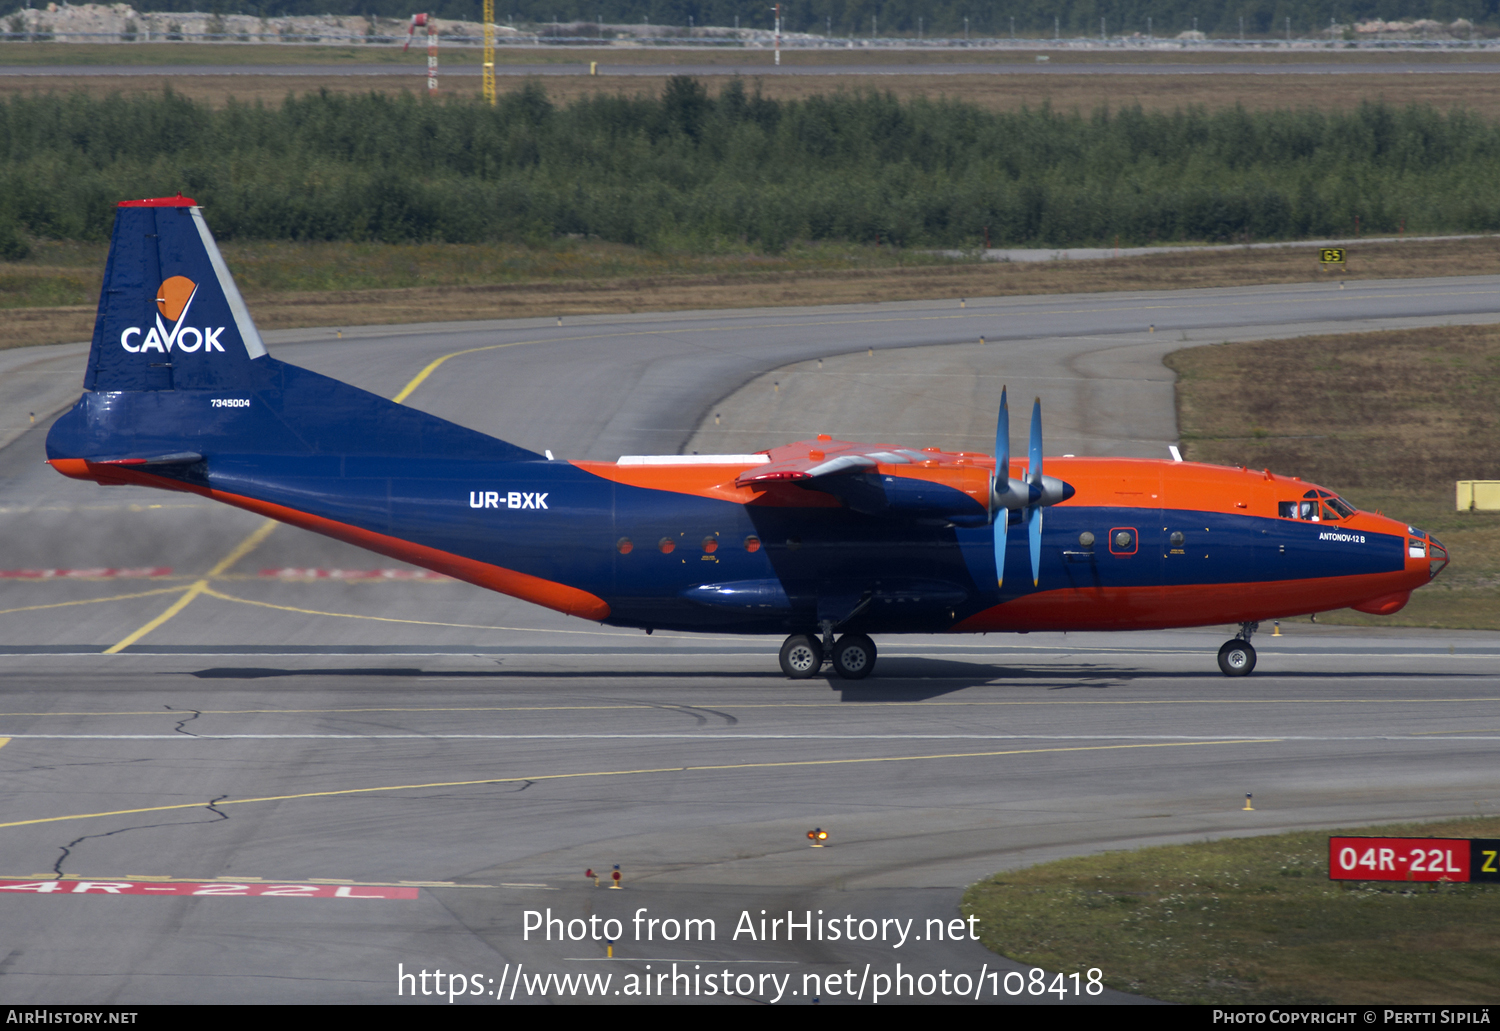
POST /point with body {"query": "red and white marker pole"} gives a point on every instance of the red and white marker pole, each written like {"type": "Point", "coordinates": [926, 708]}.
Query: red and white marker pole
{"type": "Point", "coordinates": [432, 42]}
{"type": "Point", "coordinates": [425, 21]}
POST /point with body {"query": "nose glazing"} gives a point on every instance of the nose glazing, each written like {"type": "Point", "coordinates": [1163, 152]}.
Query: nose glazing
{"type": "Point", "coordinates": [1437, 556]}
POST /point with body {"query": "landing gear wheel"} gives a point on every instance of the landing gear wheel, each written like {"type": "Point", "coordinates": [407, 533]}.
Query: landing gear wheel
{"type": "Point", "coordinates": [801, 656]}
{"type": "Point", "coordinates": [854, 656]}
{"type": "Point", "coordinates": [1237, 658]}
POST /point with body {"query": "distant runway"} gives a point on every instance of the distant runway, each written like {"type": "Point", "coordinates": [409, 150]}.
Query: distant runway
{"type": "Point", "coordinates": [761, 65]}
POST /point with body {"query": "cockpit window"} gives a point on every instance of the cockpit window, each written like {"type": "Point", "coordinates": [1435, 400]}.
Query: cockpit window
{"type": "Point", "coordinates": [1315, 506]}
{"type": "Point", "coordinates": [1342, 507]}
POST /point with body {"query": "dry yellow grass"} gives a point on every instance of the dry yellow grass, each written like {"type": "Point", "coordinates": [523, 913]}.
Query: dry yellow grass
{"type": "Point", "coordinates": [231, 54]}
{"type": "Point", "coordinates": [1085, 93]}
{"type": "Point", "coordinates": [755, 286]}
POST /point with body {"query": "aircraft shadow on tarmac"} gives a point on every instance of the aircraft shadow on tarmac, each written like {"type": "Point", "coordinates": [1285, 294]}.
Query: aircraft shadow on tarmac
{"type": "Point", "coordinates": [902, 678]}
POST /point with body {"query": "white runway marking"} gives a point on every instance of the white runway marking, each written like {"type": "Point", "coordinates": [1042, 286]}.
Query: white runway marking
{"type": "Point", "coordinates": [1427, 736]}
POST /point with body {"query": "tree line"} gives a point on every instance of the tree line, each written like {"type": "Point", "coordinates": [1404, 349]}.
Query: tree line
{"type": "Point", "coordinates": [903, 17]}
{"type": "Point", "coordinates": [691, 170]}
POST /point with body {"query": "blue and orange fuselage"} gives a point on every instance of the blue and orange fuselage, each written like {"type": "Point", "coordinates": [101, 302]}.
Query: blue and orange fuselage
{"type": "Point", "coordinates": [684, 547]}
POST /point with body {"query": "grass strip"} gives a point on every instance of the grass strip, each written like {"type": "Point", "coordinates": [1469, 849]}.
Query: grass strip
{"type": "Point", "coordinates": [51, 297]}
{"type": "Point", "coordinates": [1081, 91]}
{"type": "Point", "coordinates": [52, 53]}
{"type": "Point", "coordinates": [1252, 920]}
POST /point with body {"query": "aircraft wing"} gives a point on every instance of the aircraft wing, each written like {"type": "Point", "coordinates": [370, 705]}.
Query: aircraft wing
{"type": "Point", "coordinates": [815, 459]}
{"type": "Point", "coordinates": [883, 480]}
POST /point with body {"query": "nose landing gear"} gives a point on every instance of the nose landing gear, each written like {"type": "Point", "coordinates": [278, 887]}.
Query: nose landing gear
{"type": "Point", "coordinates": [1237, 657]}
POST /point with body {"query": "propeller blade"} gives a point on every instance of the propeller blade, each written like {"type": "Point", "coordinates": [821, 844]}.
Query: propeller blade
{"type": "Point", "coordinates": [1034, 454]}
{"type": "Point", "coordinates": [1002, 441]}
{"type": "Point", "coordinates": [1001, 525]}
{"type": "Point", "coordinates": [1000, 517]}
{"type": "Point", "coordinates": [1037, 487]}
{"type": "Point", "coordinates": [1034, 529]}
{"type": "Point", "coordinates": [1030, 496]}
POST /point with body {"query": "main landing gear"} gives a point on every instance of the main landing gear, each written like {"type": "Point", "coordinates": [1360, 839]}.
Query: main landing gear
{"type": "Point", "coordinates": [1237, 657]}
{"type": "Point", "coordinates": [852, 656]}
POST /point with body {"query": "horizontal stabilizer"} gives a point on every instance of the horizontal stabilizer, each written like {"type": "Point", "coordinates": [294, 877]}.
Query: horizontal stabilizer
{"type": "Point", "coordinates": [175, 458]}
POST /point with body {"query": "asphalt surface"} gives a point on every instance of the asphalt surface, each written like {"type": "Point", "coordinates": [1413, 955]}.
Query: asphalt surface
{"type": "Point", "coordinates": [302, 727]}
{"type": "Point", "coordinates": [760, 65]}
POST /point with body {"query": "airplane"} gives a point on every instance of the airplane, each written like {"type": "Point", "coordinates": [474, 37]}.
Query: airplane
{"type": "Point", "coordinates": [827, 541]}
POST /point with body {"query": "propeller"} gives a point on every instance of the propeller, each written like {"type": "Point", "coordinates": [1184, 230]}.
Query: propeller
{"type": "Point", "coordinates": [1030, 495]}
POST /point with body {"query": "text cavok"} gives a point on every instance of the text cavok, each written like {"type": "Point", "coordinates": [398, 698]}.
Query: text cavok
{"type": "Point", "coordinates": [158, 339]}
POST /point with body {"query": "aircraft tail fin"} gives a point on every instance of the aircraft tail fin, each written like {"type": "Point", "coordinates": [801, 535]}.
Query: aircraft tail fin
{"type": "Point", "coordinates": [170, 316]}
{"type": "Point", "coordinates": [178, 368]}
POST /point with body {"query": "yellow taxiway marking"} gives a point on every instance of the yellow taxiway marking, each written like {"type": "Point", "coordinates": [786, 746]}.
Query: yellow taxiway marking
{"type": "Point", "coordinates": [94, 601]}
{"type": "Point", "coordinates": [1142, 305]}
{"type": "Point", "coordinates": [736, 706]}
{"type": "Point", "coordinates": [4, 741]}
{"type": "Point", "coordinates": [431, 366]}
{"type": "Point", "coordinates": [536, 778]}
{"type": "Point", "coordinates": [241, 549]}
{"type": "Point", "coordinates": [390, 619]}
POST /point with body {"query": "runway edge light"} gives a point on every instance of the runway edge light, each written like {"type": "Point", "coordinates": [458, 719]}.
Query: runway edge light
{"type": "Point", "coordinates": [817, 837]}
{"type": "Point", "coordinates": [1248, 807]}
{"type": "Point", "coordinates": [590, 873]}
{"type": "Point", "coordinates": [616, 876]}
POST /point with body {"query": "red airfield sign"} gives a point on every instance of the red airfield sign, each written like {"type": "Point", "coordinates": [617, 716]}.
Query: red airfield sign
{"type": "Point", "coordinates": [1414, 859]}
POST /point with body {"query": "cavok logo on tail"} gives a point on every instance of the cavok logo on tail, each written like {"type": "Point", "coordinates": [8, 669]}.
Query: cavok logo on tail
{"type": "Point", "coordinates": [173, 299]}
